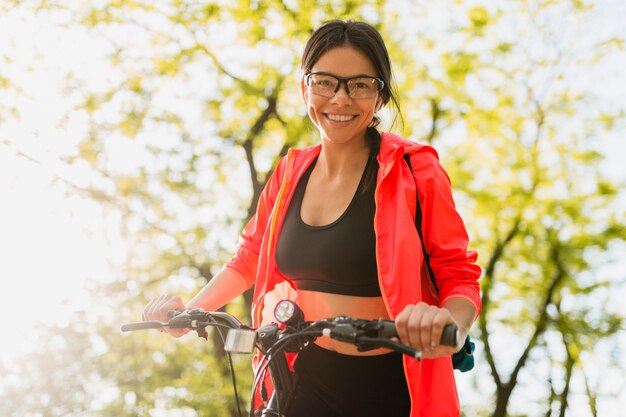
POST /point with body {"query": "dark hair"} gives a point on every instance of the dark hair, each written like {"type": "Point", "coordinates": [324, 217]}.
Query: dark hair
{"type": "Point", "coordinates": [366, 39]}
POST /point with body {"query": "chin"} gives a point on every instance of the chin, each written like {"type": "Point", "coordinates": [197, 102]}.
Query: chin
{"type": "Point", "coordinates": [343, 138]}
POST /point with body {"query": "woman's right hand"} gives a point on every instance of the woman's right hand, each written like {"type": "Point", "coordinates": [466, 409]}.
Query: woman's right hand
{"type": "Point", "coordinates": [158, 308]}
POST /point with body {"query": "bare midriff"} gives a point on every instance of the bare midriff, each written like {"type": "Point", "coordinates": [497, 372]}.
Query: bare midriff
{"type": "Point", "coordinates": [318, 305]}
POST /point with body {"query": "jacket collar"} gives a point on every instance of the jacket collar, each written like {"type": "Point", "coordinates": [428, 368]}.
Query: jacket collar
{"type": "Point", "coordinates": [392, 148]}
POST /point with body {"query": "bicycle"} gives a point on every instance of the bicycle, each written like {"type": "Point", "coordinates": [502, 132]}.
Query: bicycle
{"type": "Point", "coordinates": [291, 334]}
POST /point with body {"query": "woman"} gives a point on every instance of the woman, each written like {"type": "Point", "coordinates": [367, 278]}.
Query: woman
{"type": "Point", "coordinates": [334, 230]}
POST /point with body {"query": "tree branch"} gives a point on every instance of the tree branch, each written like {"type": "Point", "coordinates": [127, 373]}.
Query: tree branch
{"type": "Point", "coordinates": [487, 285]}
{"type": "Point", "coordinates": [243, 83]}
{"type": "Point", "coordinates": [104, 198]}
{"type": "Point", "coordinates": [540, 326]}
{"type": "Point", "coordinates": [542, 319]}
{"type": "Point", "coordinates": [489, 277]}
{"type": "Point", "coordinates": [435, 112]}
{"type": "Point", "coordinates": [569, 367]}
{"type": "Point", "coordinates": [257, 128]}
{"type": "Point", "coordinates": [592, 397]}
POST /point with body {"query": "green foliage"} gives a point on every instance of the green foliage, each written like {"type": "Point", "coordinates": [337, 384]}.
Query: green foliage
{"type": "Point", "coordinates": [205, 97]}
{"type": "Point", "coordinates": [479, 17]}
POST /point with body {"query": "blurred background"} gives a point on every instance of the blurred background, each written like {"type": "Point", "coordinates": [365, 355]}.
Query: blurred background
{"type": "Point", "coordinates": [136, 136]}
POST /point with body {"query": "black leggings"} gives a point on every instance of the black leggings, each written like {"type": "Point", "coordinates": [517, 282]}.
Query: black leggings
{"type": "Point", "coordinates": [332, 384]}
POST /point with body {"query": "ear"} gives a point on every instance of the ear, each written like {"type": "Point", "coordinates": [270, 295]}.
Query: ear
{"type": "Point", "coordinates": [379, 103]}
{"type": "Point", "coordinates": [303, 92]}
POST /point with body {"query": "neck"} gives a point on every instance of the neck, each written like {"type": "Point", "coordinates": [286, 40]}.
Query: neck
{"type": "Point", "coordinates": [337, 159]}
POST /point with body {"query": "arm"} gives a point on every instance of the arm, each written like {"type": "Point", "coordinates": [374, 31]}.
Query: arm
{"type": "Point", "coordinates": [222, 289]}
{"type": "Point", "coordinates": [463, 312]}
{"type": "Point", "coordinates": [238, 274]}
{"type": "Point", "coordinates": [225, 286]}
{"type": "Point", "coordinates": [454, 268]}
{"type": "Point", "coordinates": [445, 236]}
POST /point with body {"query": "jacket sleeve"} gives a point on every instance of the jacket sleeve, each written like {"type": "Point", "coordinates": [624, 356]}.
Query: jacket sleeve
{"type": "Point", "coordinates": [244, 262]}
{"type": "Point", "coordinates": [445, 236]}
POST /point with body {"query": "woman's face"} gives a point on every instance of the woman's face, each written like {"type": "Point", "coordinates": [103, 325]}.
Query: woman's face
{"type": "Point", "coordinates": [341, 119]}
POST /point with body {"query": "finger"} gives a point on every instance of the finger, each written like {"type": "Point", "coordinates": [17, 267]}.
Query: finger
{"type": "Point", "coordinates": [401, 321]}
{"type": "Point", "coordinates": [442, 318]}
{"type": "Point", "coordinates": [440, 351]}
{"type": "Point", "coordinates": [414, 326]}
{"type": "Point", "coordinates": [147, 311]}
{"type": "Point", "coordinates": [155, 309]}
{"type": "Point", "coordinates": [426, 324]}
{"type": "Point", "coordinates": [178, 332]}
{"type": "Point", "coordinates": [405, 324]}
{"type": "Point", "coordinates": [144, 313]}
{"type": "Point", "coordinates": [168, 303]}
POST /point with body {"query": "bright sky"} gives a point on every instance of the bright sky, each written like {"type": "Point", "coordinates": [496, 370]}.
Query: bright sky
{"type": "Point", "coordinates": [52, 244]}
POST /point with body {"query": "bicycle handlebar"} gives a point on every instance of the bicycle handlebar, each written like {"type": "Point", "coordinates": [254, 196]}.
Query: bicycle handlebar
{"type": "Point", "coordinates": [365, 334]}
{"type": "Point", "coordinates": [386, 329]}
{"type": "Point", "coordinates": [292, 336]}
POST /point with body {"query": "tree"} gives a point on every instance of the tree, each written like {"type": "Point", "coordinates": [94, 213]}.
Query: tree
{"type": "Point", "coordinates": [205, 99]}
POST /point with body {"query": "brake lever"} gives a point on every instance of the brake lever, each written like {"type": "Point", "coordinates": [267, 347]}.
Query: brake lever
{"type": "Point", "coordinates": [189, 319]}
{"type": "Point", "coordinates": [376, 342]}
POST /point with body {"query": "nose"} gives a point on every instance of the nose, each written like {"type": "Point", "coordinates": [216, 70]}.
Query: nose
{"type": "Point", "coordinates": [341, 94]}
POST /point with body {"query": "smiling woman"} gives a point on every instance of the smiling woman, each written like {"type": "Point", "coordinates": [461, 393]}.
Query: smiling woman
{"type": "Point", "coordinates": [342, 114]}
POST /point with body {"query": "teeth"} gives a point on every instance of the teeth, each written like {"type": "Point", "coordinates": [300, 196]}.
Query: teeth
{"type": "Point", "coordinates": [340, 117]}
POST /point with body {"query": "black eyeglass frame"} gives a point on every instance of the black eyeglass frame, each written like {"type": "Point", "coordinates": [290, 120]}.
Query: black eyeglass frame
{"type": "Point", "coordinates": [344, 80]}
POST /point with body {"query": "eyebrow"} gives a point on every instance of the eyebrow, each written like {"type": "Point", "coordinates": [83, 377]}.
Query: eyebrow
{"type": "Point", "coordinates": [343, 78]}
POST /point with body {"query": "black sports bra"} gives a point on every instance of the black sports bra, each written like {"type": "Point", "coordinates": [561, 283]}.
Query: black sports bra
{"type": "Point", "coordinates": [338, 258]}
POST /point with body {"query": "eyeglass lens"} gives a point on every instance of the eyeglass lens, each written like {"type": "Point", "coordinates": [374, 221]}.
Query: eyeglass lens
{"type": "Point", "coordinates": [327, 85]}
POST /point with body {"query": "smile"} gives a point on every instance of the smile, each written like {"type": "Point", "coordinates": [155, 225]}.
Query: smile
{"type": "Point", "coordinates": [340, 117]}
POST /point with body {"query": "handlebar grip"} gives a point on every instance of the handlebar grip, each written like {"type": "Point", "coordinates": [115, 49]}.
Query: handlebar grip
{"type": "Point", "coordinates": [449, 337]}
{"type": "Point", "coordinates": [144, 325]}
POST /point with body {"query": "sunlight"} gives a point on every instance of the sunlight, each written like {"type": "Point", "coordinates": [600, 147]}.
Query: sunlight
{"type": "Point", "coordinates": [53, 245]}
{"type": "Point", "coordinates": [53, 242]}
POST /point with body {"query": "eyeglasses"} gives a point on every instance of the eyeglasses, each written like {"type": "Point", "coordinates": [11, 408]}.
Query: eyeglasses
{"type": "Point", "coordinates": [326, 85]}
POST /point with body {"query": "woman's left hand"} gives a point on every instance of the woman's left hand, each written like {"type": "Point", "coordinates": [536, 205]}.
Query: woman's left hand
{"type": "Point", "coordinates": [421, 325]}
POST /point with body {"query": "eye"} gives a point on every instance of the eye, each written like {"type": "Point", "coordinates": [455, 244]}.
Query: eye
{"type": "Point", "coordinates": [323, 82]}
{"type": "Point", "coordinates": [361, 84]}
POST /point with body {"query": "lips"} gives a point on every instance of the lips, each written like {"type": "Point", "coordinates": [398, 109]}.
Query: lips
{"type": "Point", "coordinates": [339, 117]}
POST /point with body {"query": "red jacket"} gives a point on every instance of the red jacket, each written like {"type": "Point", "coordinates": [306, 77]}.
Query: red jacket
{"type": "Point", "coordinates": [399, 255]}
